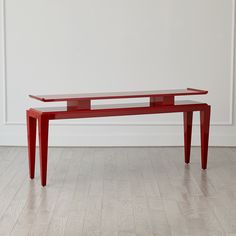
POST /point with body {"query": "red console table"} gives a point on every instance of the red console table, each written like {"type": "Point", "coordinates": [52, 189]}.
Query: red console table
{"type": "Point", "coordinates": [79, 106]}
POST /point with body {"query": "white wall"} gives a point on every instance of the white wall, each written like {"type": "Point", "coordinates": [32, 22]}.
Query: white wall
{"type": "Point", "coordinates": [75, 46]}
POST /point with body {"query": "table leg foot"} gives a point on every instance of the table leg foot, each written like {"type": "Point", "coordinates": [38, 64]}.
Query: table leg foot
{"type": "Point", "coordinates": [205, 125]}
{"type": "Point", "coordinates": [31, 131]}
{"type": "Point", "coordinates": [43, 147]}
{"type": "Point", "coordinates": [188, 119]}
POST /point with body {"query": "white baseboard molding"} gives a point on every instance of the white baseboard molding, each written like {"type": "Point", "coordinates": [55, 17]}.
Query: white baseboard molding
{"type": "Point", "coordinates": [119, 140]}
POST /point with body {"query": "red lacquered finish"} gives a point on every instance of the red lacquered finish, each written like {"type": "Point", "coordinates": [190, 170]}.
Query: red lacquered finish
{"type": "Point", "coordinates": [43, 146]}
{"type": "Point", "coordinates": [79, 106]}
{"type": "Point", "coordinates": [31, 130]}
{"type": "Point", "coordinates": [188, 118]}
{"type": "Point", "coordinates": [118, 95]}
{"type": "Point", "coordinates": [205, 125]}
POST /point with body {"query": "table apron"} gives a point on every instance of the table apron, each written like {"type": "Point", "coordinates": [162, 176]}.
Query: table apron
{"type": "Point", "coordinates": [122, 112]}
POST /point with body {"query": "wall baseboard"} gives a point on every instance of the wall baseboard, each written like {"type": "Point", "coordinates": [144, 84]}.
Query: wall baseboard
{"type": "Point", "coordinates": [119, 140]}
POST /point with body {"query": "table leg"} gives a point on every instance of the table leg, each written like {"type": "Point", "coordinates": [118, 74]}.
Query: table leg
{"type": "Point", "coordinates": [205, 125]}
{"type": "Point", "coordinates": [188, 119]}
{"type": "Point", "coordinates": [31, 131]}
{"type": "Point", "coordinates": [43, 147]}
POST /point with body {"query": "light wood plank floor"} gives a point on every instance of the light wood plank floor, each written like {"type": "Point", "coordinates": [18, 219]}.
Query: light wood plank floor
{"type": "Point", "coordinates": [119, 192]}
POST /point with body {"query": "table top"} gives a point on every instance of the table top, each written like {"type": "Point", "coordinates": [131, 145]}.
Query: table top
{"type": "Point", "coordinates": [117, 95]}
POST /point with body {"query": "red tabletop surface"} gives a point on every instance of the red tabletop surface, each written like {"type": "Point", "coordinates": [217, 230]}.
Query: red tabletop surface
{"type": "Point", "coordinates": [115, 95]}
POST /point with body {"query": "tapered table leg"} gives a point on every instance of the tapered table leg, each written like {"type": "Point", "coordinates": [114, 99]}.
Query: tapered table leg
{"type": "Point", "coordinates": [205, 125]}
{"type": "Point", "coordinates": [31, 131]}
{"type": "Point", "coordinates": [43, 147]}
{"type": "Point", "coordinates": [188, 119]}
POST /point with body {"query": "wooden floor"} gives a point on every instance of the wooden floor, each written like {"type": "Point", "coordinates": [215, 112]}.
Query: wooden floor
{"type": "Point", "coordinates": [119, 192]}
